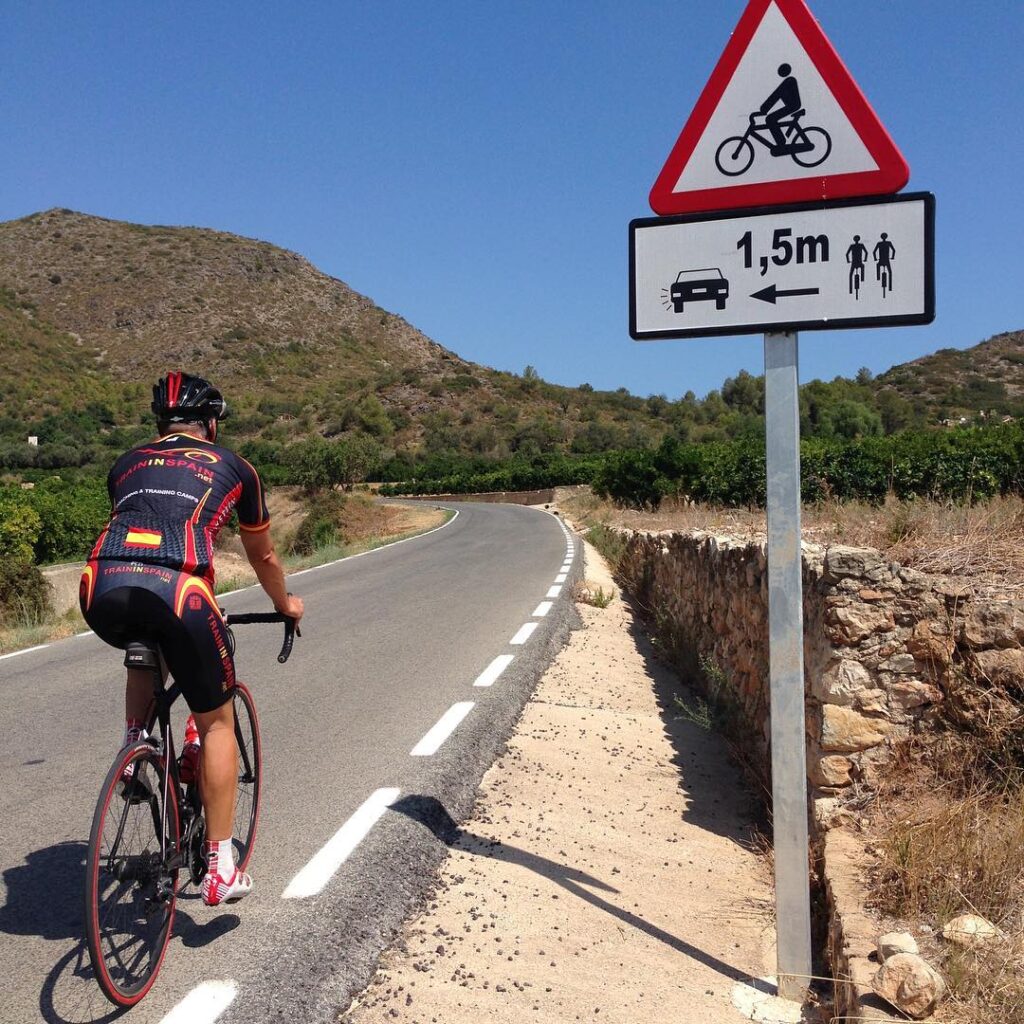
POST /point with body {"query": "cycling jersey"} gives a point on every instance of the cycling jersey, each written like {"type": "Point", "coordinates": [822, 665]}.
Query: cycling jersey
{"type": "Point", "coordinates": [171, 498]}
{"type": "Point", "coordinates": [150, 574]}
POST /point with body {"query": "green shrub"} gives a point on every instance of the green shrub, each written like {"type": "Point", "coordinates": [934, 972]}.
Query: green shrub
{"type": "Point", "coordinates": [71, 515]}
{"type": "Point", "coordinates": [19, 529]}
{"type": "Point", "coordinates": [973, 463]}
{"type": "Point", "coordinates": [24, 594]}
{"type": "Point", "coordinates": [322, 525]}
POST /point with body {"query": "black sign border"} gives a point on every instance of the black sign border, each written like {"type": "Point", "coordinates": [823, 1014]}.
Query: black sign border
{"type": "Point", "coordinates": [899, 320]}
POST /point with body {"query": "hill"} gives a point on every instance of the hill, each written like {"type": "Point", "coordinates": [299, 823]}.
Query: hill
{"type": "Point", "coordinates": [988, 378]}
{"type": "Point", "coordinates": [93, 310]}
{"type": "Point", "coordinates": [90, 303]}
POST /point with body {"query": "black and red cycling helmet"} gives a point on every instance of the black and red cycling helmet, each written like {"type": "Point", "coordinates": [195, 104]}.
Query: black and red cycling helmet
{"type": "Point", "coordinates": [181, 398]}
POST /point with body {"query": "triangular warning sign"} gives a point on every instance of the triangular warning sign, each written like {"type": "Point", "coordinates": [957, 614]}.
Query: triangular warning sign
{"type": "Point", "coordinates": [781, 120]}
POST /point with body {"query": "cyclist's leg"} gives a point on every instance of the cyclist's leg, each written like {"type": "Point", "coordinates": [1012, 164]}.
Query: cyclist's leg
{"type": "Point", "coordinates": [218, 769]}
{"type": "Point", "coordinates": [771, 122]}
{"type": "Point", "coordinates": [203, 665]}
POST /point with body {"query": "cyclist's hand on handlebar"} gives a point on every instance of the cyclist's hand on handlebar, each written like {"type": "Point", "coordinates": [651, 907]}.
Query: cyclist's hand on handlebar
{"type": "Point", "coordinates": [293, 608]}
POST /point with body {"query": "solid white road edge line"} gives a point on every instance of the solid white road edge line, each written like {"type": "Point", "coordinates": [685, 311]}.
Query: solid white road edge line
{"type": "Point", "coordinates": [542, 609]}
{"type": "Point", "coordinates": [554, 591]}
{"type": "Point", "coordinates": [496, 667]}
{"type": "Point", "coordinates": [27, 650]}
{"type": "Point", "coordinates": [446, 725]}
{"type": "Point", "coordinates": [204, 1004]}
{"type": "Point", "coordinates": [524, 634]}
{"type": "Point", "coordinates": [319, 871]}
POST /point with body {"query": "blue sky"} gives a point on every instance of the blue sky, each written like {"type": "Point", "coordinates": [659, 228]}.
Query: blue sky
{"type": "Point", "coordinates": [474, 166]}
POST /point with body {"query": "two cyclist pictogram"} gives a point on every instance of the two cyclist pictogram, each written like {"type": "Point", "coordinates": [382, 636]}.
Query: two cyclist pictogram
{"type": "Point", "coordinates": [857, 256]}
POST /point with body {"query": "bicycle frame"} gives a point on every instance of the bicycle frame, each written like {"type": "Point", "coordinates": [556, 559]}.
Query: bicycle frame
{"type": "Point", "coordinates": [791, 128]}
{"type": "Point", "coordinates": [163, 700]}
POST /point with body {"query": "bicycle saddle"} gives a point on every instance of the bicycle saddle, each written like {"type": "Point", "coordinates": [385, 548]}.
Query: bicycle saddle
{"type": "Point", "coordinates": [141, 655]}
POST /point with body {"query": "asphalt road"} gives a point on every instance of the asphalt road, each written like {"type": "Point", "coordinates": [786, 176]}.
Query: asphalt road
{"type": "Point", "coordinates": [392, 640]}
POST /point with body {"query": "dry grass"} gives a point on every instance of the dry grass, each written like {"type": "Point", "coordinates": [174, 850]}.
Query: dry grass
{"type": "Point", "coordinates": [950, 842]}
{"type": "Point", "coordinates": [52, 627]}
{"type": "Point", "coordinates": [588, 592]}
{"type": "Point", "coordinates": [984, 541]}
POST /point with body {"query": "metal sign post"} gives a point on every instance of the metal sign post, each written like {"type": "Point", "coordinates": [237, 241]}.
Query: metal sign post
{"type": "Point", "coordinates": [772, 234]}
{"type": "Point", "coordinates": [786, 665]}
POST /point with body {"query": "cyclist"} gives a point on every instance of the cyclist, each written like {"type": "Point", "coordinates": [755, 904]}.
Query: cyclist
{"type": "Point", "coordinates": [883, 253]}
{"type": "Point", "coordinates": [855, 256]}
{"type": "Point", "coordinates": [787, 93]}
{"type": "Point", "coordinates": [150, 577]}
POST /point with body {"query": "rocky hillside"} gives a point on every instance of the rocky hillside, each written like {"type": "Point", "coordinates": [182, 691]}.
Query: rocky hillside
{"type": "Point", "coordinates": [966, 382]}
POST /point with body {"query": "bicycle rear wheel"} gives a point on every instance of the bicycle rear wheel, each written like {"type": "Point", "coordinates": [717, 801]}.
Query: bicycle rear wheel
{"type": "Point", "coordinates": [130, 889]}
{"type": "Point", "coordinates": [250, 774]}
{"type": "Point", "coordinates": [821, 145]}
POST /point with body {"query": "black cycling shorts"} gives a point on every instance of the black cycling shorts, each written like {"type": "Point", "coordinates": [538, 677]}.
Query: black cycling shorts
{"type": "Point", "coordinates": [125, 602]}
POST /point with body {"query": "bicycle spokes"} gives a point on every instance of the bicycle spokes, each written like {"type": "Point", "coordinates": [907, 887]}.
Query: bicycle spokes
{"type": "Point", "coordinates": [131, 875]}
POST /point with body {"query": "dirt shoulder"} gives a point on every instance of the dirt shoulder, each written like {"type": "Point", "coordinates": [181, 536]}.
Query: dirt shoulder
{"type": "Point", "coordinates": [605, 872]}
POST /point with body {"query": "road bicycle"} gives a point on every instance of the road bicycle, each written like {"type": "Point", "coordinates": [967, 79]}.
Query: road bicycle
{"type": "Point", "coordinates": [807, 146]}
{"type": "Point", "coordinates": [148, 829]}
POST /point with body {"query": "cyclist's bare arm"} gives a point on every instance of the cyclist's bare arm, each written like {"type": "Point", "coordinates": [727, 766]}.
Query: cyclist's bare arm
{"type": "Point", "coordinates": [259, 549]}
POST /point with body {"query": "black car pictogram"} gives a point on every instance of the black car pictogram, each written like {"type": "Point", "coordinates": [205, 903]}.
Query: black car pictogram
{"type": "Point", "coordinates": [701, 285]}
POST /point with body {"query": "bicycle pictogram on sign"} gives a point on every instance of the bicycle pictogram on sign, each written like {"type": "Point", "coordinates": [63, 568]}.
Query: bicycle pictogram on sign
{"type": "Point", "coordinates": [776, 126]}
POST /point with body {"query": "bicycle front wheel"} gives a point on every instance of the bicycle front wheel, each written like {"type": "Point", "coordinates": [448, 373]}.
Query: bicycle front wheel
{"type": "Point", "coordinates": [131, 886]}
{"type": "Point", "coordinates": [734, 156]}
{"type": "Point", "coordinates": [250, 774]}
{"type": "Point", "coordinates": [821, 142]}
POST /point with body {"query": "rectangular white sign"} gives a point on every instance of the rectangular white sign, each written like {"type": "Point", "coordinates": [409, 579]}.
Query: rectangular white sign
{"type": "Point", "coordinates": [849, 263]}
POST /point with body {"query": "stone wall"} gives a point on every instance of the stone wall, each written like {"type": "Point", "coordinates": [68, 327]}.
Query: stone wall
{"type": "Point", "coordinates": [885, 646]}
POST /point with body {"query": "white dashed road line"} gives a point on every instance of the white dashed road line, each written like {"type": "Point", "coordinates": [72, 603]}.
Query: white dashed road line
{"type": "Point", "coordinates": [542, 609]}
{"type": "Point", "coordinates": [524, 634]}
{"type": "Point", "coordinates": [554, 592]}
{"type": "Point", "coordinates": [319, 871]}
{"type": "Point", "coordinates": [445, 726]}
{"type": "Point", "coordinates": [561, 577]}
{"type": "Point", "coordinates": [204, 1004]}
{"type": "Point", "coordinates": [496, 667]}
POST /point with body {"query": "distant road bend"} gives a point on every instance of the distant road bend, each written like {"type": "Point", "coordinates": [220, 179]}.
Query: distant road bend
{"type": "Point", "coordinates": [414, 664]}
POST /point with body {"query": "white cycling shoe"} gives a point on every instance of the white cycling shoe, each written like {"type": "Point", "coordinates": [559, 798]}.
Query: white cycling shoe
{"type": "Point", "coordinates": [218, 890]}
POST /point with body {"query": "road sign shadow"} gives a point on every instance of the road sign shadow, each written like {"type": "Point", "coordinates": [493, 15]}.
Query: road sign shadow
{"type": "Point", "coordinates": [431, 813]}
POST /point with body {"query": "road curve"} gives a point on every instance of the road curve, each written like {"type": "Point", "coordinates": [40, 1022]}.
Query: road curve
{"type": "Point", "coordinates": [375, 738]}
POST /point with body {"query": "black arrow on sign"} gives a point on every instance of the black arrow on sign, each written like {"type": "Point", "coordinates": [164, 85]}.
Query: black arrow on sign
{"type": "Point", "coordinates": [771, 293]}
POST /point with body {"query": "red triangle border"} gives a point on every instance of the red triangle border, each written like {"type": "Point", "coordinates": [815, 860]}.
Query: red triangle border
{"type": "Point", "coordinates": [892, 174]}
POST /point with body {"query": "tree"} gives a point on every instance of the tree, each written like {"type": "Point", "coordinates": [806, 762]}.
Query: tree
{"type": "Point", "coordinates": [371, 417]}
{"type": "Point", "coordinates": [744, 392]}
{"type": "Point", "coordinates": [850, 419]}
